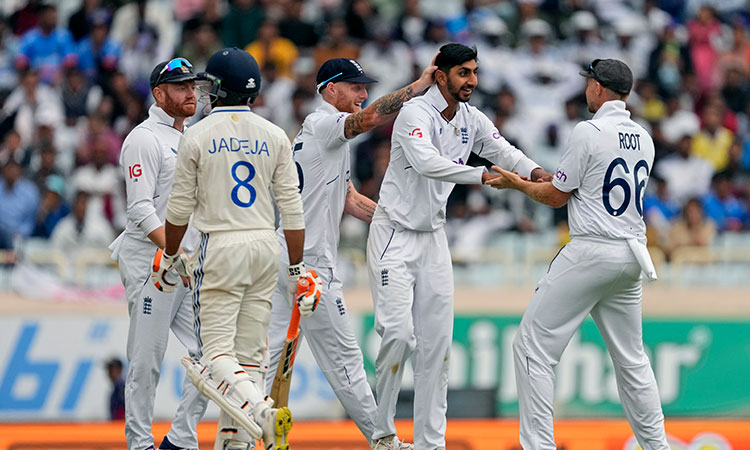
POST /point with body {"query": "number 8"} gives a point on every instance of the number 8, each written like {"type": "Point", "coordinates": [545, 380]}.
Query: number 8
{"type": "Point", "coordinates": [243, 183]}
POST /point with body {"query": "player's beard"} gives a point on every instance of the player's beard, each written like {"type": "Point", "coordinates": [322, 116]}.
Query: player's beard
{"type": "Point", "coordinates": [455, 92]}
{"type": "Point", "coordinates": [176, 109]}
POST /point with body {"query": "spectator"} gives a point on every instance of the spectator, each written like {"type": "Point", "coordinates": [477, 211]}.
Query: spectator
{"type": "Point", "coordinates": [13, 149]}
{"type": "Point", "coordinates": [133, 19]}
{"type": "Point", "coordinates": [275, 101]}
{"type": "Point", "coordinates": [723, 206]}
{"type": "Point", "coordinates": [19, 199]}
{"type": "Point", "coordinates": [25, 18]}
{"type": "Point", "coordinates": [270, 47]}
{"type": "Point", "coordinates": [98, 53]}
{"type": "Point", "coordinates": [101, 179]}
{"type": "Point", "coordinates": [81, 228]}
{"type": "Point", "coordinates": [703, 32]}
{"type": "Point", "coordinates": [335, 44]}
{"type": "Point", "coordinates": [491, 35]}
{"type": "Point", "coordinates": [713, 141]}
{"type": "Point", "coordinates": [412, 26]}
{"type": "Point", "coordinates": [32, 102]}
{"type": "Point", "coordinates": [200, 41]}
{"type": "Point", "coordinates": [659, 210]}
{"type": "Point", "coordinates": [692, 230]}
{"type": "Point", "coordinates": [293, 27]}
{"type": "Point", "coordinates": [45, 167]}
{"type": "Point", "coordinates": [8, 49]}
{"type": "Point", "coordinates": [678, 121]}
{"type": "Point", "coordinates": [52, 207]}
{"type": "Point", "coordinates": [117, 397]}
{"type": "Point", "coordinates": [736, 89]}
{"type": "Point", "coordinates": [79, 97]}
{"type": "Point", "coordinates": [360, 14]}
{"type": "Point", "coordinates": [98, 131]}
{"type": "Point", "coordinates": [241, 23]}
{"type": "Point", "coordinates": [388, 61]}
{"type": "Point", "coordinates": [687, 175]}
{"type": "Point", "coordinates": [669, 62]}
{"type": "Point", "coordinates": [585, 43]}
{"type": "Point", "coordinates": [47, 48]}
{"type": "Point", "coordinates": [79, 22]}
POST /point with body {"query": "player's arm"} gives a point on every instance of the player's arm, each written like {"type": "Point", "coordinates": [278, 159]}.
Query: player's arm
{"type": "Point", "coordinates": [285, 187]}
{"type": "Point", "coordinates": [183, 197]}
{"type": "Point", "coordinates": [139, 160]}
{"type": "Point", "coordinates": [412, 131]}
{"type": "Point", "coordinates": [383, 109]}
{"type": "Point", "coordinates": [543, 192]}
{"type": "Point", "coordinates": [358, 205]}
{"type": "Point", "coordinates": [491, 145]}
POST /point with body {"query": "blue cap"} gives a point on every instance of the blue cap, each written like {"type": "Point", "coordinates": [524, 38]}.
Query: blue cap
{"type": "Point", "coordinates": [341, 69]}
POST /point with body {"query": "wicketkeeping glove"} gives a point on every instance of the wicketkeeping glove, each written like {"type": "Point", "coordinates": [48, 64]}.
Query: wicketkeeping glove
{"type": "Point", "coordinates": [163, 270]}
{"type": "Point", "coordinates": [308, 293]}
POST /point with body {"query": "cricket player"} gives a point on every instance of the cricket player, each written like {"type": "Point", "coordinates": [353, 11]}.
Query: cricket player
{"type": "Point", "coordinates": [148, 159]}
{"type": "Point", "coordinates": [407, 251]}
{"type": "Point", "coordinates": [321, 152]}
{"type": "Point", "coordinates": [602, 176]}
{"type": "Point", "coordinates": [228, 166]}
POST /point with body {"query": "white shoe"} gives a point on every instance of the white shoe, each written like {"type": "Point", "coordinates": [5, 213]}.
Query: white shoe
{"type": "Point", "coordinates": [386, 443]}
{"type": "Point", "coordinates": [406, 446]}
{"type": "Point", "coordinates": [276, 424]}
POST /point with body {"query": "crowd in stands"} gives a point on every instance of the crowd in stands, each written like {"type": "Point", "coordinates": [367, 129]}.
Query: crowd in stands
{"type": "Point", "coordinates": [74, 82]}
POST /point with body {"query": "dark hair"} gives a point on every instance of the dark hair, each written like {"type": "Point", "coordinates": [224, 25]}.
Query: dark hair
{"type": "Point", "coordinates": [233, 98]}
{"type": "Point", "coordinates": [454, 54]}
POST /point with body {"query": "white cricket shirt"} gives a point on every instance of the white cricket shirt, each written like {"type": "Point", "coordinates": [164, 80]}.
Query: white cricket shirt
{"type": "Point", "coordinates": [148, 159]}
{"type": "Point", "coordinates": [428, 157]}
{"type": "Point", "coordinates": [321, 153]}
{"type": "Point", "coordinates": [607, 163]}
{"type": "Point", "coordinates": [227, 165]}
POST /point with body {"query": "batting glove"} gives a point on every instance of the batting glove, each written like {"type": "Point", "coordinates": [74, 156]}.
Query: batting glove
{"type": "Point", "coordinates": [309, 289]}
{"type": "Point", "coordinates": [295, 272]}
{"type": "Point", "coordinates": [163, 271]}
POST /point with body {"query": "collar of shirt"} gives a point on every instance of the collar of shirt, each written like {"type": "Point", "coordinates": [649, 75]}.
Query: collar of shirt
{"type": "Point", "coordinates": [161, 116]}
{"type": "Point", "coordinates": [435, 98]}
{"type": "Point", "coordinates": [612, 108]}
{"type": "Point", "coordinates": [327, 107]}
{"type": "Point", "coordinates": [234, 108]}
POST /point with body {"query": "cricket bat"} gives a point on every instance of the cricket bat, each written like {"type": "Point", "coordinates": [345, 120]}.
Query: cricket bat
{"type": "Point", "coordinates": [283, 378]}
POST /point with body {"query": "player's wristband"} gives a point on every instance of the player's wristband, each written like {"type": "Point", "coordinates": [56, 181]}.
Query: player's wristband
{"type": "Point", "coordinates": [296, 270]}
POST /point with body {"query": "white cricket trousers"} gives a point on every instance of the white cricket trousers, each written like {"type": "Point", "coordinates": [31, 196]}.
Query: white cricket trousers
{"type": "Point", "coordinates": [411, 279]}
{"type": "Point", "coordinates": [593, 276]}
{"type": "Point", "coordinates": [235, 275]}
{"type": "Point", "coordinates": [329, 333]}
{"type": "Point", "coordinates": [152, 315]}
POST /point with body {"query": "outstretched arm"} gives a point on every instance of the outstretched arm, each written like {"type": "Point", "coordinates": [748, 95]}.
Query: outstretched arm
{"type": "Point", "coordinates": [358, 205]}
{"type": "Point", "coordinates": [543, 191]}
{"type": "Point", "coordinates": [383, 109]}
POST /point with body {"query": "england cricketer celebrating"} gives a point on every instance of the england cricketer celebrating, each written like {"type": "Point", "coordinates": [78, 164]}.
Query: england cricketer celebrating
{"type": "Point", "coordinates": [228, 166]}
{"type": "Point", "coordinates": [148, 160]}
{"type": "Point", "coordinates": [407, 251]}
{"type": "Point", "coordinates": [602, 176]}
{"type": "Point", "coordinates": [321, 152]}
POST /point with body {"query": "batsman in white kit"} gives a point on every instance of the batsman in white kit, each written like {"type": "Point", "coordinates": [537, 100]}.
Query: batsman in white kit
{"type": "Point", "coordinates": [228, 166]}
{"type": "Point", "coordinates": [410, 270]}
{"type": "Point", "coordinates": [148, 159]}
{"type": "Point", "coordinates": [321, 153]}
{"type": "Point", "coordinates": [602, 176]}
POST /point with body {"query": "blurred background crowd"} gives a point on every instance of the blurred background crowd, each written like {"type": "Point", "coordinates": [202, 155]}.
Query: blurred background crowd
{"type": "Point", "coordinates": [74, 82]}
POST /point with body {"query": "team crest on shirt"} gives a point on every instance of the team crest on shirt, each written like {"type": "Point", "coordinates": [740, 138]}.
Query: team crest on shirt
{"type": "Point", "coordinates": [147, 306]}
{"type": "Point", "coordinates": [464, 135]}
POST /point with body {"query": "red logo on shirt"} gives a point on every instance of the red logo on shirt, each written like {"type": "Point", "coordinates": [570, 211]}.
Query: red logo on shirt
{"type": "Point", "coordinates": [416, 132]}
{"type": "Point", "coordinates": [135, 171]}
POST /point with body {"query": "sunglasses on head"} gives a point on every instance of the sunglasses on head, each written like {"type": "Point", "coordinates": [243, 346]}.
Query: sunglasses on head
{"type": "Point", "coordinates": [172, 65]}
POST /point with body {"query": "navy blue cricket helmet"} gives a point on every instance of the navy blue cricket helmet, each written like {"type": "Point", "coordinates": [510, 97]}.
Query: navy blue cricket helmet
{"type": "Point", "coordinates": [233, 73]}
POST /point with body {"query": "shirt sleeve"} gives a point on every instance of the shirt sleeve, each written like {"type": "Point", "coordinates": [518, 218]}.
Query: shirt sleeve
{"type": "Point", "coordinates": [139, 160]}
{"type": "Point", "coordinates": [412, 131]}
{"type": "Point", "coordinates": [183, 198]}
{"type": "Point", "coordinates": [489, 144]}
{"type": "Point", "coordinates": [330, 128]}
{"type": "Point", "coordinates": [572, 164]}
{"type": "Point", "coordinates": [285, 185]}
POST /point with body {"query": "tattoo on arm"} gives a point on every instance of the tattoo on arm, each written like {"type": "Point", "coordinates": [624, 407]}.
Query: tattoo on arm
{"type": "Point", "coordinates": [367, 208]}
{"type": "Point", "coordinates": [382, 107]}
